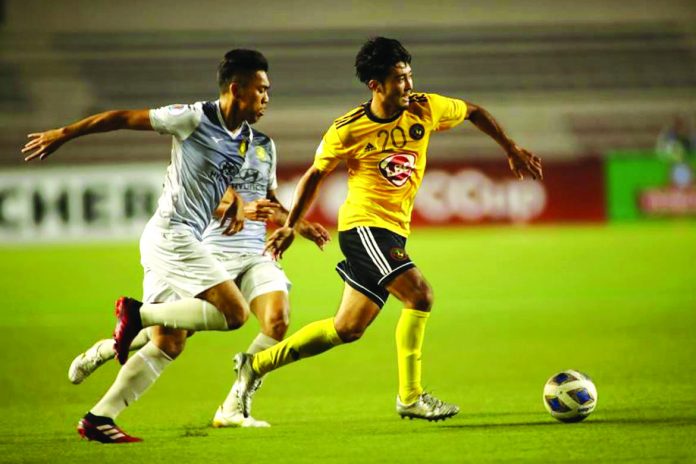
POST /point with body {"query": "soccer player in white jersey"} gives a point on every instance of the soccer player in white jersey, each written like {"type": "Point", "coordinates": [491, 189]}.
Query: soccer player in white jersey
{"type": "Point", "coordinates": [209, 142]}
{"type": "Point", "coordinates": [261, 280]}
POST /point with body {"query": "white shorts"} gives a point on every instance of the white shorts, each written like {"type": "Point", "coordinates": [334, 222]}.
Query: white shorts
{"type": "Point", "coordinates": [176, 265]}
{"type": "Point", "coordinates": [254, 274]}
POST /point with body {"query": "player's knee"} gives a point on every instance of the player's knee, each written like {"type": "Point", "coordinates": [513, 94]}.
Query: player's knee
{"type": "Point", "coordinates": [236, 319]}
{"type": "Point", "coordinates": [349, 332]}
{"type": "Point", "coordinates": [236, 313]}
{"type": "Point", "coordinates": [275, 325]}
{"type": "Point", "coordinates": [423, 299]}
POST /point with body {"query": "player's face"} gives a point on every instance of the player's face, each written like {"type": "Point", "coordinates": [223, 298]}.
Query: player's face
{"type": "Point", "coordinates": [398, 86]}
{"type": "Point", "coordinates": [253, 97]}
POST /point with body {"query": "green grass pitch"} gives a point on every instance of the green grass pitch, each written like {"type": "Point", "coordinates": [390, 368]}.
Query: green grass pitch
{"type": "Point", "coordinates": [512, 307]}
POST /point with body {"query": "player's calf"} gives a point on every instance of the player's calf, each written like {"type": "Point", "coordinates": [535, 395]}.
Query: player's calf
{"type": "Point", "coordinates": [171, 341]}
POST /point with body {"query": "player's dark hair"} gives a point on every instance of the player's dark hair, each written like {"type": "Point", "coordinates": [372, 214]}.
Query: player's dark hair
{"type": "Point", "coordinates": [377, 56]}
{"type": "Point", "coordinates": [239, 65]}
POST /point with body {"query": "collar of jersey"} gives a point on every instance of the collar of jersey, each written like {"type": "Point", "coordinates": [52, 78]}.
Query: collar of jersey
{"type": "Point", "coordinates": [374, 118]}
{"type": "Point", "coordinates": [237, 133]}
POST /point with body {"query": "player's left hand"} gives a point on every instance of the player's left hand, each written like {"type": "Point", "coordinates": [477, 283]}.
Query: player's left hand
{"type": "Point", "coordinates": [262, 209]}
{"type": "Point", "coordinates": [521, 161]}
{"type": "Point", "coordinates": [315, 232]}
{"type": "Point", "coordinates": [279, 241]}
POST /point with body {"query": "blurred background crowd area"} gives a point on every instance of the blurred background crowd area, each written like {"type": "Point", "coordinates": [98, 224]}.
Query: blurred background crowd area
{"type": "Point", "coordinates": [568, 79]}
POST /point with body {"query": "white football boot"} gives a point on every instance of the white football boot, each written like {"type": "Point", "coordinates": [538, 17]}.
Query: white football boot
{"type": "Point", "coordinates": [86, 363]}
{"type": "Point", "coordinates": [426, 407]}
{"type": "Point", "coordinates": [236, 419]}
{"type": "Point", "coordinates": [247, 382]}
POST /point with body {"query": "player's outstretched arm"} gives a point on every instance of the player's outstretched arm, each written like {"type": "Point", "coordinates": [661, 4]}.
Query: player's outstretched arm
{"type": "Point", "coordinates": [42, 144]}
{"type": "Point", "coordinates": [305, 194]}
{"type": "Point", "coordinates": [519, 159]}
{"type": "Point", "coordinates": [312, 231]}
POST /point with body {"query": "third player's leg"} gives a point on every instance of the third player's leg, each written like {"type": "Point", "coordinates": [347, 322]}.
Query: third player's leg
{"type": "Point", "coordinates": [272, 310]}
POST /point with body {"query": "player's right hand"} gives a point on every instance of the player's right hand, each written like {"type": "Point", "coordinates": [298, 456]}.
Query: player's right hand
{"type": "Point", "coordinates": [262, 209]}
{"type": "Point", "coordinates": [42, 144]}
{"type": "Point", "coordinates": [279, 241]}
{"type": "Point", "coordinates": [231, 212]}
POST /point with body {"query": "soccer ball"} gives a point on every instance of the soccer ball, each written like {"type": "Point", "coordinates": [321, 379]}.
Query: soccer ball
{"type": "Point", "coordinates": [570, 396]}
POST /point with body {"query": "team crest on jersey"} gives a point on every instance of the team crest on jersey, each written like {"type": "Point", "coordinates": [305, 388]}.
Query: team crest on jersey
{"type": "Point", "coordinates": [417, 131]}
{"type": "Point", "coordinates": [176, 110]}
{"type": "Point", "coordinates": [398, 254]}
{"type": "Point", "coordinates": [243, 147]}
{"type": "Point", "coordinates": [397, 168]}
{"type": "Point", "coordinates": [260, 153]}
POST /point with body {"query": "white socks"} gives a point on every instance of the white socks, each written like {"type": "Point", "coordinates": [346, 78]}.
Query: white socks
{"type": "Point", "coordinates": [260, 343]}
{"type": "Point", "coordinates": [139, 341]}
{"type": "Point", "coordinates": [134, 378]}
{"type": "Point", "coordinates": [104, 349]}
{"type": "Point", "coordinates": [187, 313]}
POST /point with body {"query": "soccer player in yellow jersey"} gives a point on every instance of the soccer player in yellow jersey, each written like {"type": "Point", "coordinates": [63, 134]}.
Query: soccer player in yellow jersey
{"type": "Point", "coordinates": [383, 143]}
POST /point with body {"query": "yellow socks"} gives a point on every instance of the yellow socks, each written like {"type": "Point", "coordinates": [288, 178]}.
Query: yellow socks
{"type": "Point", "coordinates": [410, 331]}
{"type": "Point", "coordinates": [310, 340]}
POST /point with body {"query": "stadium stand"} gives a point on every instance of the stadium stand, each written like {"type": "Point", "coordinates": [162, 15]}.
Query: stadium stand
{"type": "Point", "coordinates": [569, 90]}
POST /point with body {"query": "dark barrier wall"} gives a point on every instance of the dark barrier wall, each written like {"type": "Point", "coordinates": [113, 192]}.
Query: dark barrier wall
{"type": "Point", "coordinates": [114, 202]}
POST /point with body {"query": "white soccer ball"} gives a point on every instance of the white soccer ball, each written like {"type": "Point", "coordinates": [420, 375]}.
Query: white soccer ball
{"type": "Point", "coordinates": [570, 396]}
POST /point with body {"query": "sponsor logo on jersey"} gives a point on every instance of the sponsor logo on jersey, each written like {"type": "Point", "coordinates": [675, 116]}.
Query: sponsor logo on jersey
{"type": "Point", "coordinates": [397, 168]}
{"type": "Point", "coordinates": [417, 131]}
{"type": "Point", "coordinates": [227, 172]}
{"type": "Point", "coordinates": [249, 175]}
{"type": "Point", "coordinates": [399, 254]}
{"type": "Point", "coordinates": [250, 180]}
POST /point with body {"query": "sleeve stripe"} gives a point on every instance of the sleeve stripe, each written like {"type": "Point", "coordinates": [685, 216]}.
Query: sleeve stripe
{"type": "Point", "coordinates": [350, 115]}
{"type": "Point", "coordinates": [349, 121]}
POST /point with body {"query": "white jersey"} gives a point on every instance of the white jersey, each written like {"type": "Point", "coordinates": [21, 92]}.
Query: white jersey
{"type": "Point", "coordinates": [256, 177]}
{"type": "Point", "coordinates": [206, 157]}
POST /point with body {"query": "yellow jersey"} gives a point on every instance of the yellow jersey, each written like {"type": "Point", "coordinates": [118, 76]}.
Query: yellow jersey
{"type": "Point", "coordinates": [385, 159]}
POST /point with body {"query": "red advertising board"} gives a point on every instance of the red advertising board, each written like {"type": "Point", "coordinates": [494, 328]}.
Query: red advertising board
{"type": "Point", "coordinates": [482, 192]}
